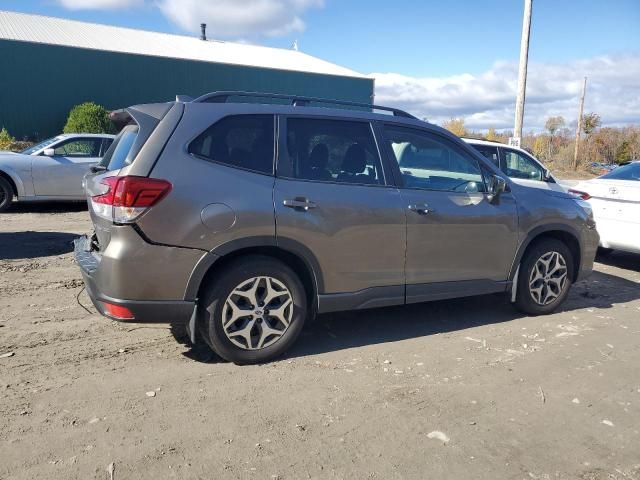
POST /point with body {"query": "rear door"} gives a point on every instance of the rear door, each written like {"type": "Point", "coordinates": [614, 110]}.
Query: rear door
{"type": "Point", "coordinates": [458, 241]}
{"type": "Point", "coordinates": [331, 196]}
{"type": "Point", "coordinates": [61, 175]}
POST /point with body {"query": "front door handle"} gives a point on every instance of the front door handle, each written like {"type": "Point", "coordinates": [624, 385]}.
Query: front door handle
{"type": "Point", "coordinates": [299, 204]}
{"type": "Point", "coordinates": [422, 209]}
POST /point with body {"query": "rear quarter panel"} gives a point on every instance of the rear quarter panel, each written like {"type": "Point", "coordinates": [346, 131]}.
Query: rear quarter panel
{"type": "Point", "coordinates": [235, 203]}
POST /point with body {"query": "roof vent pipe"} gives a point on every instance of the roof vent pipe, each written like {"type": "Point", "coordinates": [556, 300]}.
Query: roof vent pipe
{"type": "Point", "coordinates": [203, 31]}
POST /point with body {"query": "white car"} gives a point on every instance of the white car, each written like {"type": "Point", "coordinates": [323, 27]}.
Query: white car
{"type": "Point", "coordinates": [615, 200]}
{"type": "Point", "coordinates": [522, 167]}
{"type": "Point", "coordinates": [50, 170]}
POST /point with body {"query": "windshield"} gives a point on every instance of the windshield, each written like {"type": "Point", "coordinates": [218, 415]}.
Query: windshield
{"type": "Point", "coordinates": [31, 150]}
{"type": "Point", "coordinates": [626, 172]}
{"type": "Point", "coordinates": [118, 154]}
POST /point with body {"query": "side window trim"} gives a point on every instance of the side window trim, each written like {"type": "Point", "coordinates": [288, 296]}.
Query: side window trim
{"type": "Point", "coordinates": [281, 170]}
{"type": "Point", "coordinates": [397, 173]}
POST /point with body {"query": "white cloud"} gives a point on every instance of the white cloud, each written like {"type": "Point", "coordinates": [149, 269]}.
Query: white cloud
{"type": "Point", "coordinates": [233, 18]}
{"type": "Point", "coordinates": [99, 4]}
{"type": "Point", "coordinates": [488, 99]}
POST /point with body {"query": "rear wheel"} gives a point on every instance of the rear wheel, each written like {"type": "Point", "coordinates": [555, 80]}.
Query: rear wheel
{"type": "Point", "coordinates": [6, 194]}
{"type": "Point", "coordinates": [545, 277]}
{"type": "Point", "coordinates": [254, 310]}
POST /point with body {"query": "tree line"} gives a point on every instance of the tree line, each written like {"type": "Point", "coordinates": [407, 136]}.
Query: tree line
{"type": "Point", "coordinates": [556, 143]}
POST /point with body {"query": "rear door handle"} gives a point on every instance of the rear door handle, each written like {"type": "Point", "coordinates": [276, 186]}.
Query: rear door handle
{"type": "Point", "coordinates": [299, 204]}
{"type": "Point", "coordinates": [422, 209]}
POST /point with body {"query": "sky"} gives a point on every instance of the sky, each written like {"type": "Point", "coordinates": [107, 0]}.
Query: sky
{"type": "Point", "coordinates": [436, 59]}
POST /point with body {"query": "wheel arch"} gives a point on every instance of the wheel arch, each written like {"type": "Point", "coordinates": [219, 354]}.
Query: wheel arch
{"type": "Point", "coordinates": [4, 173]}
{"type": "Point", "coordinates": [564, 233]}
{"type": "Point", "coordinates": [293, 254]}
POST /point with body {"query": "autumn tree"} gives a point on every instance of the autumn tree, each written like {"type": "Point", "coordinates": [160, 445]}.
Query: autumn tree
{"type": "Point", "coordinates": [552, 125]}
{"type": "Point", "coordinates": [590, 121]}
{"type": "Point", "coordinates": [455, 126]}
{"type": "Point", "coordinates": [492, 136]}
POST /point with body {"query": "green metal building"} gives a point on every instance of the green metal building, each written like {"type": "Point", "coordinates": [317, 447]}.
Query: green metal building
{"type": "Point", "coordinates": [51, 64]}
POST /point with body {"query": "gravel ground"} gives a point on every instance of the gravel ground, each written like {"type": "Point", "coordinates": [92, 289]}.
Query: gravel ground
{"type": "Point", "coordinates": [462, 389]}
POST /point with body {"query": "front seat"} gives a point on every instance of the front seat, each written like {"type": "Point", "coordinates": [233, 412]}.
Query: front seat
{"type": "Point", "coordinates": [353, 166]}
{"type": "Point", "coordinates": [318, 161]}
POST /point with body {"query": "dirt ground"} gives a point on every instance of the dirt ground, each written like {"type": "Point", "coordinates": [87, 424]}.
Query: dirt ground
{"type": "Point", "coordinates": [464, 389]}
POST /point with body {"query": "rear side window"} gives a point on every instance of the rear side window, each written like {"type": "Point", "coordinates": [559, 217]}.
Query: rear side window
{"type": "Point", "coordinates": [242, 141]}
{"type": "Point", "coordinates": [489, 152]}
{"type": "Point", "coordinates": [331, 151]}
{"type": "Point", "coordinates": [119, 153]}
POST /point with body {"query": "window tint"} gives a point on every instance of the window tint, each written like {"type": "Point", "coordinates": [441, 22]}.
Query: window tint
{"type": "Point", "coordinates": [626, 172]}
{"type": "Point", "coordinates": [244, 141]}
{"type": "Point", "coordinates": [430, 162]}
{"type": "Point", "coordinates": [518, 165]}
{"type": "Point", "coordinates": [489, 152]}
{"type": "Point", "coordinates": [83, 147]}
{"type": "Point", "coordinates": [118, 154]}
{"type": "Point", "coordinates": [331, 151]}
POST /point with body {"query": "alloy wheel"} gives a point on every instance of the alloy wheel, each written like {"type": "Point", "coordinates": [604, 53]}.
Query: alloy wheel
{"type": "Point", "coordinates": [257, 313]}
{"type": "Point", "coordinates": [548, 278]}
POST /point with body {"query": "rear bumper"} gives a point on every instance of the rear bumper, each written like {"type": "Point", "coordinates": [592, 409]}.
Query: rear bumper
{"type": "Point", "coordinates": [160, 311]}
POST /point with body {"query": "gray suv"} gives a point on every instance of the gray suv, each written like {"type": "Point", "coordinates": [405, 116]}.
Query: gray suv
{"type": "Point", "coordinates": [246, 214]}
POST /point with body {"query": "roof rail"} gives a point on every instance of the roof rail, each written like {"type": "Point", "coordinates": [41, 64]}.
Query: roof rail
{"type": "Point", "coordinates": [296, 101]}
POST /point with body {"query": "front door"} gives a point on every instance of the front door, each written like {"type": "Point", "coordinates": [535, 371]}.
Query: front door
{"type": "Point", "coordinates": [332, 197]}
{"type": "Point", "coordinates": [61, 174]}
{"type": "Point", "coordinates": [458, 241]}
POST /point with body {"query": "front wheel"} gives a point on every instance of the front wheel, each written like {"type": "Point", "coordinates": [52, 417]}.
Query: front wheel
{"type": "Point", "coordinates": [6, 194]}
{"type": "Point", "coordinates": [545, 277]}
{"type": "Point", "coordinates": [255, 310]}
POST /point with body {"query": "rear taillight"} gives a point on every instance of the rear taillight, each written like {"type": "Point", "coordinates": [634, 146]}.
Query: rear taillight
{"type": "Point", "coordinates": [127, 198]}
{"type": "Point", "coordinates": [578, 193]}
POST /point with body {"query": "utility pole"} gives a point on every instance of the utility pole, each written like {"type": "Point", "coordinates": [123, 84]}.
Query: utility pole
{"type": "Point", "coordinates": [579, 129]}
{"type": "Point", "coordinates": [522, 71]}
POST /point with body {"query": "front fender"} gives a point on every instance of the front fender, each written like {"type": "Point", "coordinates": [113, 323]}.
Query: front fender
{"type": "Point", "coordinates": [22, 190]}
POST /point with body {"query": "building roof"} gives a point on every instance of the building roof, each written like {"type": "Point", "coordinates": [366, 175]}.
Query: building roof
{"type": "Point", "coordinates": [70, 33]}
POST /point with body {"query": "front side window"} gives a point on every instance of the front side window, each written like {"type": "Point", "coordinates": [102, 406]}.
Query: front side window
{"type": "Point", "coordinates": [242, 141]}
{"type": "Point", "coordinates": [488, 152]}
{"type": "Point", "coordinates": [518, 165]}
{"type": "Point", "coordinates": [431, 162]}
{"type": "Point", "coordinates": [83, 147]}
{"type": "Point", "coordinates": [331, 151]}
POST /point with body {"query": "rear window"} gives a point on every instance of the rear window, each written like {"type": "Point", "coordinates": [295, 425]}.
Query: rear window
{"type": "Point", "coordinates": [119, 153]}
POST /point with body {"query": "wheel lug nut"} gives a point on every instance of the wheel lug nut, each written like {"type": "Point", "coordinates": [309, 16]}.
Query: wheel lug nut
{"type": "Point", "coordinates": [261, 304]}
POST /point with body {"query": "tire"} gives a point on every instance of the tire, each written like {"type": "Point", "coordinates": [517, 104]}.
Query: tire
{"type": "Point", "coordinates": [234, 290]}
{"type": "Point", "coordinates": [6, 195]}
{"type": "Point", "coordinates": [541, 292]}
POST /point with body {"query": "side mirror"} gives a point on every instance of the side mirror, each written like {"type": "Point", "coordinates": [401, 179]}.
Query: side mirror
{"type": "Point", "coordinates": [496, 187]}
{"type": "Point", "coordinates": [546, 175]}
{"type": "Point", "coordinates": [49, 152]}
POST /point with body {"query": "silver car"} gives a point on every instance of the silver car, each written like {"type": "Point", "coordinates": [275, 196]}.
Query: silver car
{"type": "Point", "coordinates": [245, 219]}
{"type": "Point", "coordinates": [50, 170]}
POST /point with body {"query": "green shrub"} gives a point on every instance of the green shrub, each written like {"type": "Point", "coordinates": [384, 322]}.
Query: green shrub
{"type": "Point", "coordinates": [88, 117]}
{"type": "Point", "coordinates": [5, 139]}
